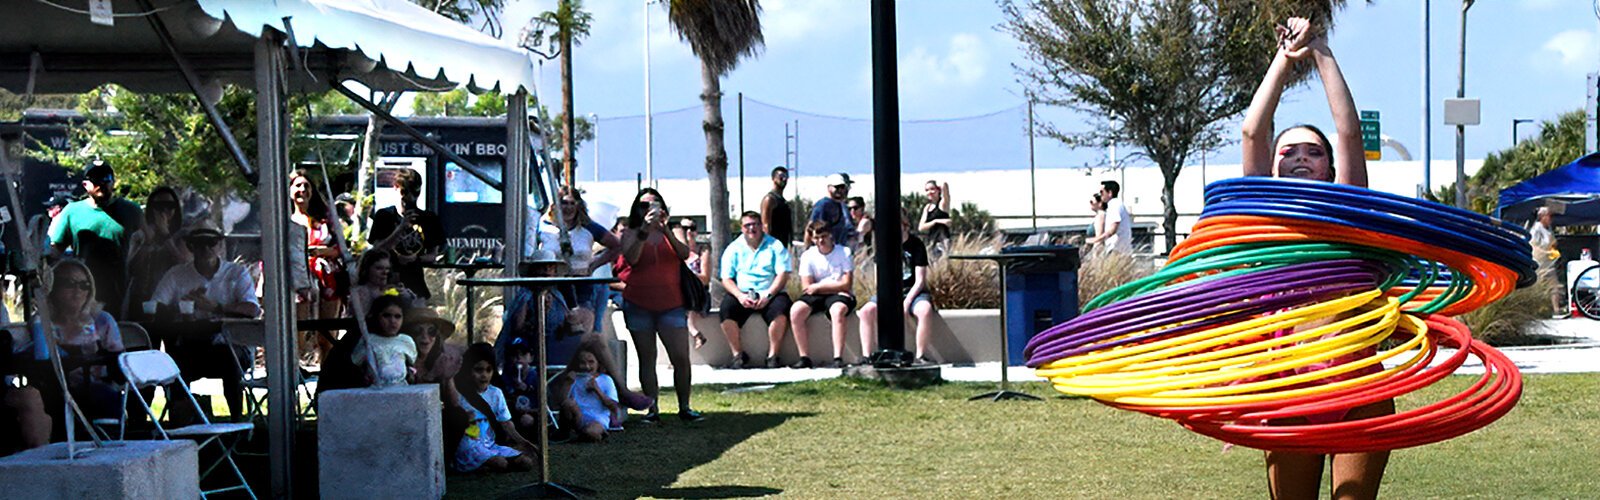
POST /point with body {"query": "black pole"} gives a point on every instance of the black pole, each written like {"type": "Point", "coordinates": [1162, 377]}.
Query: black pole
{"type": "Point", "coordinates": [741, 152]}
{"type": "Point", "coordinates": [886, 177]}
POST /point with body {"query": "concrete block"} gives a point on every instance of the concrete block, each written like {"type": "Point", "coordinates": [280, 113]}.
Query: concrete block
{"type": "Point", "coordinates": [381, 443]}
{"type": "Point", "coordinates": [123, 469]}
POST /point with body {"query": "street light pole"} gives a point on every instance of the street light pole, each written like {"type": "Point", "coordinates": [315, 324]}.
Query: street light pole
{"type": "Point", "coordinates": [594, 124]}
{"type": "Point", "coordinates": [1514, 123]}
{"type": "Point", "coordinates": [649, 144]}
{"type": "Point", "coordinates": [1461, 129]}
{"type": "Point", "coordinates": [1427, 97]}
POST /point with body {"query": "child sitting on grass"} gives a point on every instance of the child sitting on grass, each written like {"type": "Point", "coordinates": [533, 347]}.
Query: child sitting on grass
{"type": "Point", "coordinates": [487, 404]}
{"type": "Point", "coordinates": [591, 406]}
{"type": "Point", "coordinates": [521, 383]}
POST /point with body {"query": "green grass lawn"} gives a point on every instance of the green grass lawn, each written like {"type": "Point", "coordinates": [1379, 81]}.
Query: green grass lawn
{"type": "Point", "coordinates": [853, 439]}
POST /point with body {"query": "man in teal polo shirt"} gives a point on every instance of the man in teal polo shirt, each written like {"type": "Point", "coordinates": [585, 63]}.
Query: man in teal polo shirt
{"type": "Point", "coordinates": [97, 228]}
{"type": "Point", "coordinates": [755, 269]}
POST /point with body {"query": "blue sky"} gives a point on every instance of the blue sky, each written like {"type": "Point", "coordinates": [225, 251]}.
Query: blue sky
{"type": "Point", "coordinates": [1526, 59]}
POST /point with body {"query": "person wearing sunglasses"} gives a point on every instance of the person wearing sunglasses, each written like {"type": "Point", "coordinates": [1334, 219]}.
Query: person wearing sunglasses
{"type": "Point", "coordinates": [96, 229]}
{"type": "Point", "coordinates": [154, 249]}
{"type": "Point", "coordinates": [89, 342]}
{"type": "Point", "coordinates": [862, 220]}
{"type": "Point", "coordinates": [209, 288]}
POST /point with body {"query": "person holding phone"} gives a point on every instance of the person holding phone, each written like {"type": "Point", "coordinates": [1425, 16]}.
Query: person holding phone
{"type": "Point", "coordinates": [653, 299]}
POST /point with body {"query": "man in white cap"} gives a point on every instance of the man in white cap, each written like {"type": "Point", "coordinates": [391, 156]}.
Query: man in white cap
{"type": "Point", "coordinates": [832, 211]}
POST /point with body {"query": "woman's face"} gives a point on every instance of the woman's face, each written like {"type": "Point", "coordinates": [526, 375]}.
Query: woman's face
{"type": "Point", "coordinates": [162, 207]}
{"type": "Point", "coordinates": [71, 290]}
{"type": "Point", "coordinates": [569, 209]}
{"type": "Point", "coordinates": [378, 274]}
{"type": "Point", "coordinates": [425, 335]}
{"type": "Point", "coordinates": [300, 190]}
{"type": "Point", "coordinates": [932, 191]}
{"type": "Point", "coordinates": [1302, 155]}
{"type": "Point", "coordinates": [390, 320]}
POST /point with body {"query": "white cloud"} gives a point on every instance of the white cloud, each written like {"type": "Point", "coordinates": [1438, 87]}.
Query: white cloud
{"type": "Point", "coordinates": [965, 62]}
{"type": "Point", "coordinates": [1572, 50]}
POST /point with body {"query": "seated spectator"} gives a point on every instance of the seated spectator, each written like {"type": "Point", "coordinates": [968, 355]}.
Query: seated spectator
{"type": "Point", "coordinates": [520, 381]}
{"type": "Point", "coordinates": [862, 220]}
{"type": "Point", "coordinates": [23, 422]}
{"type": "Point", "coordinates": [209, 288]}
{"type": "Point", "coordinates": [917, 300]}
{"type": "Point", "coordinates": [826, 272]}
{"type": "Point", "coordinates": [698, 257]}
{"type": "Point", "coordinates": [373, 273]}
{"type": "Point", "coordinates": [755, 269]}
{"type": "Point", "coordinates": [486, 404]}
{"type": "Point", "coordinates": [383, 351]}
{"type": "Point", "coordinates": [591, 407]}
{"type": "Point", "coordinates": [437, 362]}
{"type": "Point", "coordinates": [89, 342]}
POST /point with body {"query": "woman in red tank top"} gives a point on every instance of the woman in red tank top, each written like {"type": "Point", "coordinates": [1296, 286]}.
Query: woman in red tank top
{"type": "Point", "coordinates": [653, 299]}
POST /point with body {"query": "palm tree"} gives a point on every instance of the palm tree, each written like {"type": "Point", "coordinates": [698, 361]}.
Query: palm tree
{"type": "Point", "coordinates": [571, 24]}
{"type": "Point", "coordinates": [720, 32]}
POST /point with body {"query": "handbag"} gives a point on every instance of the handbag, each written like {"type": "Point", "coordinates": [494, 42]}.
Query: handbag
{"type": "Point", "coordinates": [695, 294]}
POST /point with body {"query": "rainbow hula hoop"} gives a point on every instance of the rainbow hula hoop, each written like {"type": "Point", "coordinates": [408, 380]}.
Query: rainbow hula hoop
{"type": "Point", "coordinates": [1277, 316]}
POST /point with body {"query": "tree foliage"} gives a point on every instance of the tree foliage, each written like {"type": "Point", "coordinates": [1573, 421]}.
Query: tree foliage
{"type": "Point", "coordinates": [720, 33]}
{"type": "Point", "coordinates": [1161, 75]}
{"type": "Point", "coordinates": [12, 105]}
{"type": "Point", "coordinates": [1560, 141]}
{"type": "Point", "coordinates": [458, 102]}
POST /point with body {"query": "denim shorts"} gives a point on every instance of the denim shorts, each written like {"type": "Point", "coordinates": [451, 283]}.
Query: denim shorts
{"type": "Point", "coordinates": [639, 319]}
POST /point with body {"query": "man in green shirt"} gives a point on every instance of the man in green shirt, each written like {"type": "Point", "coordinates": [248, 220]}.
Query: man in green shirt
{"type": "Point", "coordinates": [96, 229]}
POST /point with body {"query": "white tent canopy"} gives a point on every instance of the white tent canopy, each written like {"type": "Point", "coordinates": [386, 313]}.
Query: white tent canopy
{"type": "Point", "coordinates": [385, 44]}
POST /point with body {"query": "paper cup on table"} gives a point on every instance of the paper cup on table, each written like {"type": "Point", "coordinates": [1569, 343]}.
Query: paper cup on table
{"type": "Point", "coordinates": [186, 307]}
{"type": "Point", "coordinates": [150, 307]}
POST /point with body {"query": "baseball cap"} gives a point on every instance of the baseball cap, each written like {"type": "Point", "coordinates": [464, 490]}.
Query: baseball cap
{"type": "Point", "coordinates": [58, 200]}
{"type": "Point", "coordinates": [686, 222]}
{"type": "Point", "coordinates": [202, 229]}
{"type": "Point", "coordinates": [100, 173]}
{"type": "Point", "coordinates": [839, 179]}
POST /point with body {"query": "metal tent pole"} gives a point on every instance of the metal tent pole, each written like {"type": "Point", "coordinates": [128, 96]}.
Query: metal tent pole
{"type": "Point", "coordinates": [272, 156]}
{"type": "Point", "coordinates": [515, 195]}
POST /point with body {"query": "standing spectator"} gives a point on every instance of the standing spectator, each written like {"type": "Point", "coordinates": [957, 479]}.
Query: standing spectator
{"type": "Point", "coordinates": [936, 218]}
{"type": "Point", "coordinates": [582, 235]}
{"type": "Point", "coordinates": [917, 302]}
{"type": "Point", "coordinates": [1098, 206]}
{"type": "Point", "coordinates": [775, 212]}
{"type": "Point", "coordinates": [411, 235]}
{"type": "Point", "coordinates": [831, 210]}
{"type": "Point", "coordinates": [39, 225]}
{"type": "Point", "coordinates": [653, 299]}
{"type": "Point", "coordinates": [1543, 239]}
{"type": "Point", "coordinates": [862, 219]}
{"type": "Point", "coordinates": [323, 261]}
{"type": "Point", "coordinates": [210, 288]}
{"type": "Point", "coordinates": [1117, 235]}
{"type": "Point", "coordinates": [89, 341]}
{"type": "Point", "coordinates": [97, 228]}
{"type": "Point", "coordinates": [755, 269]}
{"type": "Point", "coordinates": [698, 256]}
{"type": "Point", "coordinates": [155, 248]}
{"type": "Point", "coordinates": [826, 272]}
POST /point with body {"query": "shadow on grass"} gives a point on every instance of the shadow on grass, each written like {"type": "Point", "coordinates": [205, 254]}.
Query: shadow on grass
{"type": "Point", "coordinates": [641, 461]}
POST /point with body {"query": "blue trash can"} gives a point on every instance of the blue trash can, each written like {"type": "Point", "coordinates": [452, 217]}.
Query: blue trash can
{"type": "Point", "coordinates": [1039, 294]}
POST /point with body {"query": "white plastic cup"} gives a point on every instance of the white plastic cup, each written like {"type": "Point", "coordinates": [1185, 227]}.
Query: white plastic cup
{"type": "Point", "coordinates": [150, 307]}
{"type": "Point", "coordinates": [186, 307]}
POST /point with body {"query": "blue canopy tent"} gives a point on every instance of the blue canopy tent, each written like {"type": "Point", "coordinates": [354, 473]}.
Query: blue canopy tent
{"type": "Point", "coordinates": [1571, 191]}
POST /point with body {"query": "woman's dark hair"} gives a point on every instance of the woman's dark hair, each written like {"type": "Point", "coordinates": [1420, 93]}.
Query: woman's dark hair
{"type": "Point", "coordinates": [582, 206]}
{"type": "Point", "coordinates": [637, 211]}
{"type": "Point", "coordinates": [316, 207]}
{"type": "Point", "coordinates": [364, 268]}
{"type": "Point", "coordinates": [466, 384]}
{"type": "Point", "coordinates": [174, 221]}
{"type": "Point", "coordinates": [384, 302]}
{"type": "Point", "coordinates": [1326, 146]}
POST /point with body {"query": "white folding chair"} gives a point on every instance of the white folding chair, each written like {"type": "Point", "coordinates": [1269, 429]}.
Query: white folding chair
{"type": "Point", "coordinates": [134, 338]}
{"type": "Point", "coordinates": [155, 368]}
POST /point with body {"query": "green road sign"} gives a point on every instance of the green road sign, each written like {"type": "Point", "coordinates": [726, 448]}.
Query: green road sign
{"type": "Point", "coordinates": [1371, 135]}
